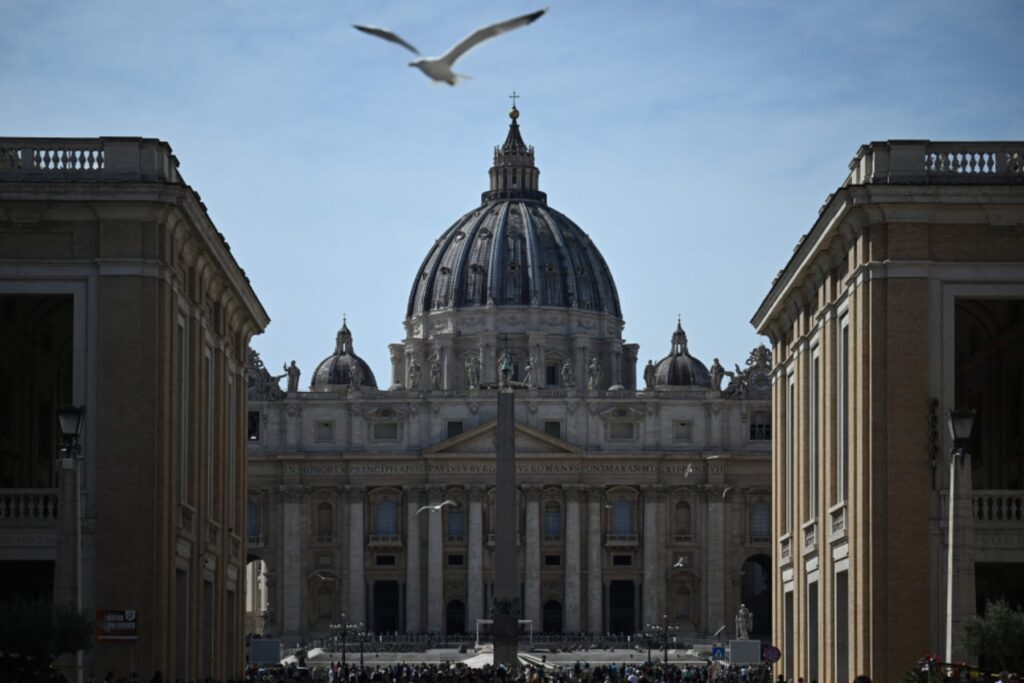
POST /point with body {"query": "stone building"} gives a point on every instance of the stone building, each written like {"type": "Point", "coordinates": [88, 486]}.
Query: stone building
{"type": "Point", "coordinates": [904, 300]}
{"type": "Point", "coordinates": [119, 295]}
{"type": "Point", "coordinates": [634, 502]}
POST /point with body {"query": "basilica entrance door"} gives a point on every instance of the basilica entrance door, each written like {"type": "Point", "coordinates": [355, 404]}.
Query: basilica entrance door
{"type": "Point", "coordinates": [621, 604]}
{"type": "Point", "coordinates": [455, 618]}
{"type": "Point", "coordinates": [385, 606]}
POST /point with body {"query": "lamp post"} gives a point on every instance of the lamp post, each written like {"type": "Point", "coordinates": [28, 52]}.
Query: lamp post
{"type": "Point", "coordinates": [69, 419]}
{"type": "Point", "coordinates": [660, 631]}
{"type": "Point", "coordinates": [961, 424]}
{"type": "Point", "coordinates": [345, 630]}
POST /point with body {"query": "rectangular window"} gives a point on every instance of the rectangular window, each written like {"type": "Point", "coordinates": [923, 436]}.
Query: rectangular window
{"type": "Point", "coordinates": [551, 375]}
{"type": "Point", "coordinates": [813, 411]}
{"type": "Point", "coordinates": [324, 432]}
{"type": "Point", "coordinates": [252, 429]}
{"type": "Point", "coordinates": [620, 431]}
{"type": "Point", "coordinates": [788, 638]}
{"type": "Point", "coordinates": [232, 430]}
{"type": "Point", "coordinates": [456, 525]}
{"type": "Point", "coordinates": [253, 523]}
{"type": "Point", "coordinates": [209, 401]}
{"type": "Point", "coordinates": [841, 627]}
{"type": "Point", "coordinates": [454, 428]}
{"type": "Point", "coordinates": [553, 523]}
{"type": "Point", "coordinates": [812, 630]}
{"type": "Point", "coordinates": [456, 560]}
{"type": "Point", "coordinates": [183, 402]}
{"type": "Point", "coordinates": [760, 426]}
{"type": "Point", "coordinates": [788, 468]}
{"type": "Point", "coordinates": [682, 431]}
{"type": "Point", "coordinates": [385, 431]}
{"type": "Point", "coordinates": [553, 428]}
{"type": "Point", "coordinates": [385, 561]}
{"type": "Point", "coordinates": [552, 560]}
{"type": "Point", "coordinates": [842, 409]}
{"type": "Point", "coordinates": [622, 560]}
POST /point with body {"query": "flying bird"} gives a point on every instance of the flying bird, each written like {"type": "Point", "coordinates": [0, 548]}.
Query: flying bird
{"type": "Point", "coordinates": [680, 563]}
{"type": "Point", "coordinates": [435, 508]}
{"type": "Point", "coordinates": [440, 68]}
{"type": "Point", "coordinates": [323, 577]}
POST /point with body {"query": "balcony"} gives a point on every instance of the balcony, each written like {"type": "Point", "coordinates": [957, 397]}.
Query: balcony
{"type": "Point", "coordinates": [490, 539]}
{"type": "Point", "coordinates": [680, 539]}
{"type": "Point", "coordinates": [118, 159]}
{"type": "Point", "coordinates": [28, 507]}
{"type": "Point", "coordinates": [385, 541]}
{"type": "Point", "coordinates": [620, 540]}
{"type": "Point", "coordinates": [999, 509]}
{"type": "Point", "coordinates": [903, 161]}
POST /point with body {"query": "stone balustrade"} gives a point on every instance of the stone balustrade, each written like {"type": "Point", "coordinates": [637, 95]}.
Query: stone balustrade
{"type": "Point", "coordinates": [28, 506]}
{"type": "Point", "coordinates": [105, 159]}
{"type": "Point", "coordinates": [924, 161]}
{"type": "Point", "coordinates": [998, 508]}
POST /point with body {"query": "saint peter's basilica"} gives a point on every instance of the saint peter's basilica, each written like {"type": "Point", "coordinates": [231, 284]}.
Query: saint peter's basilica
{"type": "Point", "coordinates": [635, 503]}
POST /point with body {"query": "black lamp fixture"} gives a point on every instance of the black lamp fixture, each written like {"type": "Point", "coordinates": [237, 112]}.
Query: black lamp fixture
{"type": "Point", "coordinates": [961, 426]}
{"type": "Point", "coordinates": [70, 420]}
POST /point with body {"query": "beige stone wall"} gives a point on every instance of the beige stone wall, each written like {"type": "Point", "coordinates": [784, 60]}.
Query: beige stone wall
{"type": "Point", "coordinates": [886, 256]}
{"type": "Point", "coordinates": [138, 255]}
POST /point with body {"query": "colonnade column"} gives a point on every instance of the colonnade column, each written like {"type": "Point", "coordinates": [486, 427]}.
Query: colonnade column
{"type": "Point", "coordinates": [475, 564]}
{"type": "Point", "coordinates": [356, 613]}
{"type": "Point", "coordinates": [532, 589]}
{"type": "Point", "coordinates": [435, 565]}
{"type": "Point", "coordinates": [413, 579]}
{"type": "Point", "coordinates": [714, 571]}
{"type": "Point", "coordinates": [571, 624]}
{"type": "Point", "coordinates": [291, 570]}
{"type": "Point", "coordinates": [652, 569]}
{"type": "Point", "coordinates": [594, 557]}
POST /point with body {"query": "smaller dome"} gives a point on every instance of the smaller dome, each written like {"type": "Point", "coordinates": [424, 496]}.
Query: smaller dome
{"type": "Point", "coordinates": [679, 368]}
{"type": "Point", "coordinates": [344, 368]}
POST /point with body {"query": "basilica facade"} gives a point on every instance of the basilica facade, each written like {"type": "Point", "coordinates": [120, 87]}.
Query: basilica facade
{"type": "Point", "coordinates": [373, 501]}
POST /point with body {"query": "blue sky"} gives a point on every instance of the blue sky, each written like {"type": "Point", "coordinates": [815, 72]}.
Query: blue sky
{"type": "Point", "coordinates": [694, 141]}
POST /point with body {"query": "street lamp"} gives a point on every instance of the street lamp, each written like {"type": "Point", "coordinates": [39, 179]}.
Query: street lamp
{"type": "Point", "coordinates": [69, 419]}
{"type": "Point", "coordinates": [660, 631]}
{"type": "Point", "coordinates": [345, 630]}
{"type": "Point", "coordinates": [961, 424]}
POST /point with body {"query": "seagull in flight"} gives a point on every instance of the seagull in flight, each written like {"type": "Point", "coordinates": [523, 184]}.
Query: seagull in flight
{"type": "Point", "coordinates": [680, 563]}
{"type": "Point", "coordinates": [323, 577]}
{"type": "Point", "coordinates": [439, 69]}
{"type": "Point", "coordinates": [435, 508]}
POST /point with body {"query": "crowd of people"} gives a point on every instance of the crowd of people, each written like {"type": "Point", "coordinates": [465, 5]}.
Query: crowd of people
{"type": "Point", "coordinates": [460, 673]}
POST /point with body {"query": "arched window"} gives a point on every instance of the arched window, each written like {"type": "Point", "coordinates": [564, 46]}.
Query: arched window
{"type": "Point", "coordinates": [386, 520]}
{"type": "Point", "coordinates": [552, 521]}
{"type": "Point", "coordinates": [622, 517]}
{"type": "Point", "coordinates": [324, 523]}
{"type": "Point", "coordinates": [760, 522]}
{"type": "Point", "coordinates": [683, 522]}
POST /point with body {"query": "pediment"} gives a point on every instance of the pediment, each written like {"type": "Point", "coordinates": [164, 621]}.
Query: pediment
{"type": "Point", "coordinates": [481, 440]}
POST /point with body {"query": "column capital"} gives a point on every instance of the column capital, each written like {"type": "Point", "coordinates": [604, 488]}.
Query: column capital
{"type": "Point", "coordinates": [354, 494]}
{"type": "Point", "coordinates": [573, 492]}
{"type": "Point", "coordinates": [654, 492]}
{"type": "Point", "coordinates": [436, 491]}
{"type": "Point", "coordinates": [413, 493]}
{"type": "Point", "coordinates": [475, 492]}
{"type": "Point", "coordinates": [713, 493]}
{"type": "Point", "coordinates": [595, 494]}
{"type": "Point", "coordinates": [532, 492]}
{"type": "Point", "coordinates": [293, 493]}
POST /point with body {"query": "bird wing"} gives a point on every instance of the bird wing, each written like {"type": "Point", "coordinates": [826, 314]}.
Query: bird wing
{"type": "Point", "coordinates": [386, 35]}
{"type": "Point", "coordinates": [481, 34]}
{"type": "Point", "coordinates": [447, 502]}
{"type": "Point", "coordinates": [425, 507]}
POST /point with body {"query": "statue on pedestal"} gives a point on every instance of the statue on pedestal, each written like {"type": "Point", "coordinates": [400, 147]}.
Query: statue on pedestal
{"type": "Point", "coordinates": [717, 373]}
{"type": "Point", "coordinates": [568, 374]}
{"type": "Point", "coordinates": [649, 374]}
{"type": "Point", "coordinates": [414, 375]}
{"type": "Point", "coordinates": [473, 371]}
{"type": "Point", "coordinates": [435, 371]}
{"type": "Point", "coordinates": [594, 374]}
{"type": "Point", "coordinates": [744, 623]}
{"type": "Point", "coordinates": [293, 373]}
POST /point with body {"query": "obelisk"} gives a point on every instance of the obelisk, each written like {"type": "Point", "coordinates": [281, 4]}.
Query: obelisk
{"type": "Point", "coordinates": [506, 593]}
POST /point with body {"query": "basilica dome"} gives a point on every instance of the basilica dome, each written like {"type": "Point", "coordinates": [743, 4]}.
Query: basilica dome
{"type": "Point", "coordinates": [343, 368]}
{"type": "Point", "coordinates": [679, 368]}
{"type": "Point", "coordinates": [514, 250]}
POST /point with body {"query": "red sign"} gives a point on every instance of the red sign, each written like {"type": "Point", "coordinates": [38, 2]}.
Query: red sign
{"type": "Point", "coordinates": [117, 624]}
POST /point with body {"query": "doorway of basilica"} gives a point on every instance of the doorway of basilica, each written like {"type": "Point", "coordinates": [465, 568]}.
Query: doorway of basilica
{"type": "Point", "coordinates": [385, 606]}
{"type": "Point", "coordinates": [622, 607]}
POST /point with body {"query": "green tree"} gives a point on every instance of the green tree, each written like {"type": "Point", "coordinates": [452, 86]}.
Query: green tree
{"type": "Point", "coordinates": [33, 633]}
{"type": "Point", "coordinates": [997, 637]}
